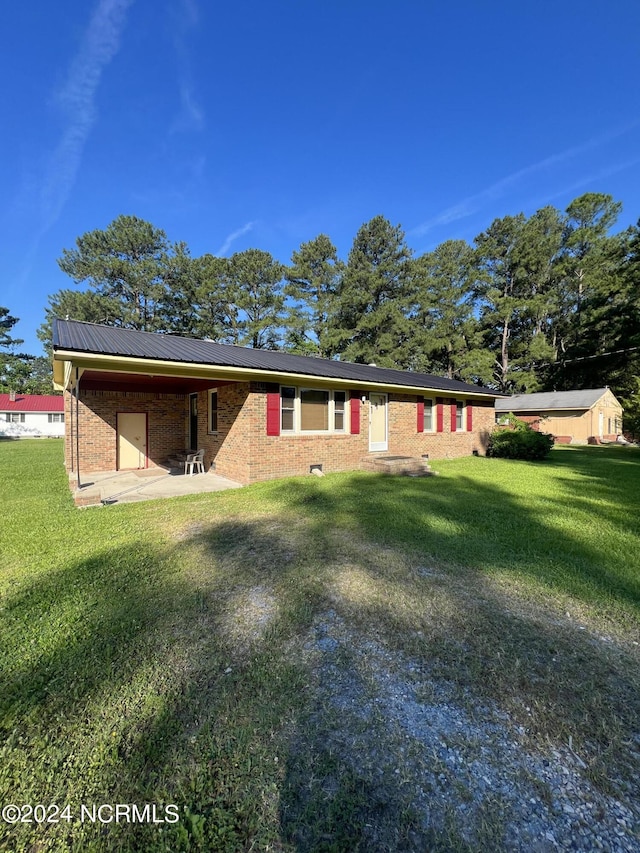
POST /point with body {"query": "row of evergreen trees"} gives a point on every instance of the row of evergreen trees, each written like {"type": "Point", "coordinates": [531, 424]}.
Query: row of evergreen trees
{"type": "Point", "coordinates": [546, 301]}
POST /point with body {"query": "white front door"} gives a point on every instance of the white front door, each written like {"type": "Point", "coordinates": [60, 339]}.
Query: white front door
{"type": "Point", "coordinates": [378, 422]}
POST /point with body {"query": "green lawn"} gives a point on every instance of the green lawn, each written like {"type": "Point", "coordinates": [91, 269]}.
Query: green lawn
{"type": "Point", "coordinates": [158, 652]}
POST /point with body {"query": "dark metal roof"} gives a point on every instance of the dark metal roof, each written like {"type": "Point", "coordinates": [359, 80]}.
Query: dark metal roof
{"type": "Point", "coordinates": [551, 400]}
{"type": "Point", "coordinates": [108, 340]}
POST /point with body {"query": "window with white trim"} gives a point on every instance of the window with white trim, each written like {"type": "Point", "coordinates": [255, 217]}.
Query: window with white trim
{"type": "Point", "coordinates": [213, 411]}
{"type": "Point", "coordinates": [55, 417]}
{"type": "Point", "coordinates": [460, 424]}
{"type": "Point", "coordinates": [312, 410]}
{"type": "Point", "coordinates": [429, 424]}
{"type": "Point", "coordinates": [14, 417]}
{"type": "Point", "coordinates": [287, 409]}
{"type": "Point", "coordinates": [339, 410]}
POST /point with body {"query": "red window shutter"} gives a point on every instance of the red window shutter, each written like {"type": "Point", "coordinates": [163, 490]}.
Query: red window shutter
{"type": "Point", "coordinates": [420, 414]}
{"type": "Point", "coordinates": [439, 414]}
{"type": "Point", "coordinates": [453, 416]}
{"type": "Point", "coordinates": [273, 413]}
{"type": "Point", "coordinates": [469, 417]}
{"type": "Point", "coordinates": [355, 413]}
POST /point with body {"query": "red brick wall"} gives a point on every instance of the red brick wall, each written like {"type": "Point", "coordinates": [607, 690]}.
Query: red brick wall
{"type": "Point", "coordinates": [241, 449]}
{"type": "Point", "coordinates": [404, 440]}
{"type": "Point", "coordinates": [166, 425]}
{"type": "Point", "coordinates": [229, 448]}
{"type": "Point", "coordinates": [290, 455]}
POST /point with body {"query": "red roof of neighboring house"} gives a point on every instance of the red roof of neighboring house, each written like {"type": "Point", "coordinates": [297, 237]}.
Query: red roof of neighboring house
{"type": "Point", "coordinates": [32, 403]}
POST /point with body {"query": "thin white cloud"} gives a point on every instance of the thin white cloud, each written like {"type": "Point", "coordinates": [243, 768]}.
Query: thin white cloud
{"type": "Point", "coordinates": [191, 116]}
{"type": "Point", "coordinates": [473, 203]}
{"type": "Point", "coordinates": [222, 251]}
{"type": "Point", "coordinates": [76, 100]}
{"type": "Point", "coordinates": [191, 13]}
{"type": "Point", "coordinates": [589, 180]}
{"type": "Point", "coordinates": [191, 113]}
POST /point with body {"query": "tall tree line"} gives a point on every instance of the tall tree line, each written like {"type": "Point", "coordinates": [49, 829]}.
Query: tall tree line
{"type": "Point", "coordinates": [19, 371]}
{"type": "Point", "coordinates": [546, 301]}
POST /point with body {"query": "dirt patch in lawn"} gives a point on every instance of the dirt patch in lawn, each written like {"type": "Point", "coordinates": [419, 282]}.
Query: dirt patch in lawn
{"type": "Point", "coordinates": [395, 757]}
{"type": "Point", "coordinates": [439, 708]}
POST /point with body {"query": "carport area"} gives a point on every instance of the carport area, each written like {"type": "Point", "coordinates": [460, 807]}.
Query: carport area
{"type": "Point", "coordinates": [112, 487]}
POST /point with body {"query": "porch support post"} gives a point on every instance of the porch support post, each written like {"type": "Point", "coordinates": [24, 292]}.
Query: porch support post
{"type": "Point", "coordinates": [72, 438]}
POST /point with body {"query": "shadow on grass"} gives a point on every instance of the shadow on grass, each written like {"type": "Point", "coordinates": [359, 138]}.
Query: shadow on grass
{"type": "Point", "coordinates": [462, 521]}
{"type": "Point", "coordinates": [185, 672]}
{"type": "Point", "coordinates": [609, 484]}
{"type": "Point", "coordinates": [340, 792]}
{"type": "Point", "coordinates": [103, 617]}
{"type": "Point", "coordinates": [104, 661]}
{"type": "Point", "coordinates": [121, 685]}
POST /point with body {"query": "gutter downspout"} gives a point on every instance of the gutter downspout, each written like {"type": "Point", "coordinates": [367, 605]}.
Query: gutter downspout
{"type": "Point", "coordinates": [78, 425]}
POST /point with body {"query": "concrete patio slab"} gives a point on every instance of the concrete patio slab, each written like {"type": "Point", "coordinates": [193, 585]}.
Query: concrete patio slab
{"type": "Point", "coordinates": [111, 487]}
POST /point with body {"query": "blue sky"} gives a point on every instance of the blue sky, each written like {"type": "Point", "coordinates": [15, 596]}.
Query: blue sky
{"type": "Point", "coordinates": [264, 124]}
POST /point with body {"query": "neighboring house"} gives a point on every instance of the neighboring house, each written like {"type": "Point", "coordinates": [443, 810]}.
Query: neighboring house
{"type": "Point", "coordinates": [31, 415]}
{"type": "Point", "coordinates": [578, 416]}
{"type": "Point", "coordinates": [135, 398]}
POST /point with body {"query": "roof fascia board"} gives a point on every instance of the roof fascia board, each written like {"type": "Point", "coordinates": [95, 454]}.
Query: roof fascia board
{"type": "Point", "coordinates": [554, 409]}
{"type": "Point", "coordinates": [157, 367]}
{"type": "Point", "coordinates": [63, 379]}
{"type": "Point", "coordinates": [61, 374]}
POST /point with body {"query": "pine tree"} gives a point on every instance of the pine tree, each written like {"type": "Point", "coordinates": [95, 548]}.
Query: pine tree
{"type": "Point", "coordinates": [21, 372]}
{"type": "Point", "coordinates": [501, 300]}
{"type": "Point", "coordinates": [127, 262]}
{"type": "Point", "coordinates": [447, 339]}
{"type": "Point", "coordinates": [84, 305]}
{"type": "Point", "coordinates": [255, 289]}
{"type": "Point", "coordinates": [592, 294]}
{"type": "Point", "coordinates": [313, 280]}
{"type": "Point", "coordinates": [369, 323]}
{"type": "Point", "coordinates": [517, 295]}
{"type": "Point", "coordinates": [216, 317]}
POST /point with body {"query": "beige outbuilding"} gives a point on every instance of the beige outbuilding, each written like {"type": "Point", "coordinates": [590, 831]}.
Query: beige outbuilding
{"type": "Point", "coordinates": [577, 417]}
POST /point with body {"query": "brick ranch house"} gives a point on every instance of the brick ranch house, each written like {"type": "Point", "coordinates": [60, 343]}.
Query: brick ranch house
{"type": "Point", "coordinates": [132, 399]}
{"type": "Point", "coordinates": [572, 417]}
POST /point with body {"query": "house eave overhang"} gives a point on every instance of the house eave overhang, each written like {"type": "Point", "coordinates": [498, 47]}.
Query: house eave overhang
{"type": "Point", "coordinates": [551, 412]}
{"type": "Point", "coordinates": [64, 362]}
{"type": "Point", "coordinates": [537, 410]}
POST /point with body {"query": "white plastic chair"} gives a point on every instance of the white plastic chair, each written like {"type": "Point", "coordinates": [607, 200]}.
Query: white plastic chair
{"type": "Point", "coordinates": [195, 462]}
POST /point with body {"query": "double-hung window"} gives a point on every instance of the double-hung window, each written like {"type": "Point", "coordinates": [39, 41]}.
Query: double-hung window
{"type": "Point", "coordinates": [55, 418]}
{"type": "Point", "coordinates": [339, 410]}
{"type": "Point", "coordinates": [428, 415]}
{"type": "Point", "coordinates": [459, 416]}
{"type": "Point", "coordinates": [15, 417]}
{"type": "Point", "coordinates": [287, 409]}
{"type": "Point", "coordinates": [213, 410]}
{"type": "Point", "coordinates": [312, 410]}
